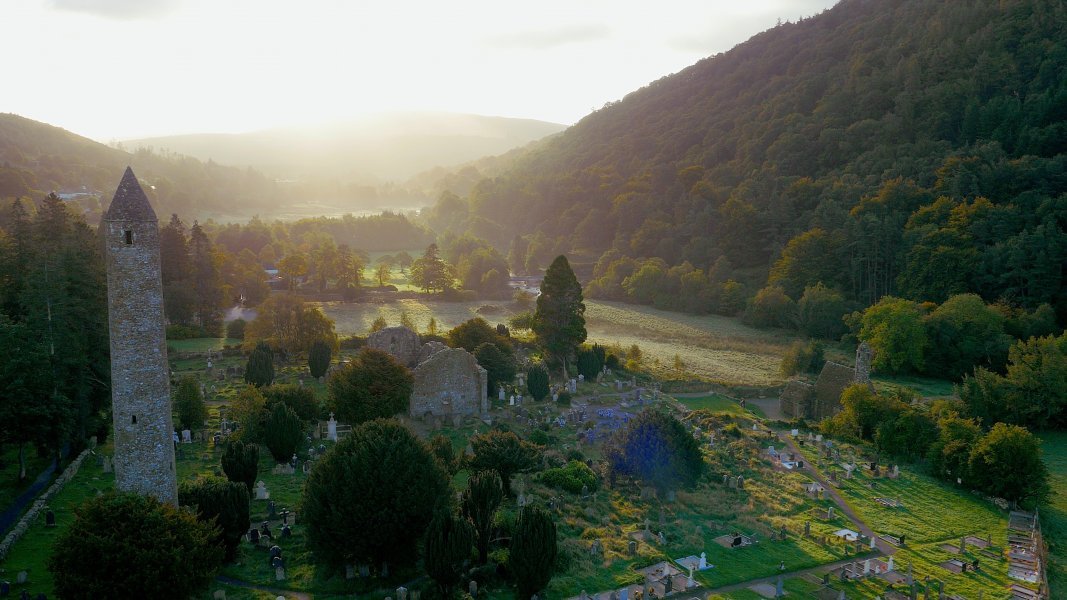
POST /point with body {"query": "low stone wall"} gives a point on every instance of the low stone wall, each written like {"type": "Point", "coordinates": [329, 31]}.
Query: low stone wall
{"type": "Point", "coordinates": [39, 504]}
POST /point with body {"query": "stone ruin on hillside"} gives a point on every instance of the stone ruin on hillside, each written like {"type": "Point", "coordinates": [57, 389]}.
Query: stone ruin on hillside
{"type": "Point", "coordinates": [449, 382]}
{"type": "Point", "coordinates": [800, 400]}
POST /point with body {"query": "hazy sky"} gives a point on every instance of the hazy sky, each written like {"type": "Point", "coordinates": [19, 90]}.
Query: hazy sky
{"type": "Point", "coordinates": [110, 69]}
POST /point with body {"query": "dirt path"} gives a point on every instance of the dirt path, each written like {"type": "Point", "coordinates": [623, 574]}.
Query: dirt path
{"type": "Point", "coordinates": [288, 594]}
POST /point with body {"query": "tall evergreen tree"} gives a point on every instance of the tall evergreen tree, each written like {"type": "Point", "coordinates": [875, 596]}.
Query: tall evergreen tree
{"type": "Point", "coordinates": [448, 548]}
{"type": "Point", "coordinates": [559, 322]}
{"type": "Point", "coordinates": [533, 551]}
{"type": "Point", "coordinates": [260, 368]}
{"type": "Point", "coordinates": [319, 356]}
{"type": "Point", "coordinates": [481, 498]}
{"type": "Point", "coordinates": [206, 282]}
{"type": "Point", "coordinates": [240, 462]}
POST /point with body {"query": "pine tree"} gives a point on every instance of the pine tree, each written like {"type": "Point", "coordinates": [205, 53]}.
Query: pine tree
{"type": "Point", "coordinates": [260, 368]}
{"type": "Point", "coordinates": [533, 551]}
{"type": "Point", "coordinates": [206, 283]}
{"type": "Point", "coordinates": [559, 322]}
{"type": "Point", "coordinates": [448, 547]}
{"type": "Point", "coordinates": [481, 498]}
{"type": "Point", "coordinates": [319, 359]}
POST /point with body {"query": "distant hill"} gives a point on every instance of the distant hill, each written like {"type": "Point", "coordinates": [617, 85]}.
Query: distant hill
{"type": "Point", "coordinates": [814, 152]}
{"type": "Point", "coordinates": [392, 147]}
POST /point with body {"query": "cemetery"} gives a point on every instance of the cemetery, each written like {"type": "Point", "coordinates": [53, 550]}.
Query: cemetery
{"type": "Point", "coordinates": [747, 520]}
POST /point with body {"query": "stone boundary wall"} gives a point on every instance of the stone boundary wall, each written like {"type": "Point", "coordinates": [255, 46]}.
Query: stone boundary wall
{"type": "Point", "coordinates": [40, 503]}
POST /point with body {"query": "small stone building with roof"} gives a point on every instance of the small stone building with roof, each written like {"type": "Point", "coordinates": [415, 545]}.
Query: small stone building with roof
{"type": "Point", "coordinates": [449, 382]}
{"type": "Point", "coordinates": [800, 400]}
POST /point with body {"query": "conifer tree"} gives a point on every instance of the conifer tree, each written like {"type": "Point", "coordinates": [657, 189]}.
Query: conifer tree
{"type": "Point", "coordinates": [240, 462]}
{"type": "Point", "coordinates": [537, 381]}
{"type": "Point", "coordinates": [533, 551]}
{"type": "Point", "coordinates": [319, 359]}
{"type": "Point", "coordinates": [559, 322]}
{"type": "Point", "coordinates": [283, 433]}
{"type": "Point", "coordinates": [190, 404]}
{"type": "Point", "coordinates": [481, 498]}
{"type": "Point", "coordinates": [223, 502]}
{"type": "Point", "coordinates": [260, 368]}
{"type": "Point", "coordinates": [448, 547]}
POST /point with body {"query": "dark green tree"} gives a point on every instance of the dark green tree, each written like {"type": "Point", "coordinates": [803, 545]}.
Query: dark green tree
{"type": "Point", "coordinates": [206, 281]}
{"type": "Point", "coordinates": [499, 366]}
{"type": "Point", "coordinates": [473, 333]}
{"type": "Point", "coordinates": [505, 453]}
{"type": "Point", "coordinates": [370, 498]}
{"type": "Point", "coordinates": [301, 399]}
{"type": "Point", "coordinates": [481, 498]}
{"type": "Point", "coordinates": [656, 448]}
{"type": "Point", "coordinates": [192, 412]}
{"type": "Point", "coordinates": [1006, 463]}
{"type": "Point", "coordinates": [133, 546]}
{"type": "Point", "coordinates": [283, 433]}
{"type": "Point", "coordinates": [967, 333]}
{"type": "Point", "coordinates": [590, 361]}
{"type": "Point", "coordinates": [770, 307]}
{"type": "Point", "coordinates": [240, 462]}
{"type": "Point", "coordinates": [448, 548]}
{"type": "Point", "coordinates": [820, 311]}
{"type": "Point", "coordinates": [442, 448]}
{"type": "Point", "coordinates": [908, 436]}
{"type": "Point", "coordinates": [431, 272]}
{"type": "Point", "coordinates": [260, 368]}
{"type": "Point", "coordinates": [537, 381]}
{"type": "Point", "coordinates": [896, 332]}
{"type": "Point", "coordinates": [224, 503]}
{"type": "Point", "coordinates": [559, 321]}
{"type": "Point", "coordinates": [374, 385]}
{"type": "Point", "coordinates": [533, 551]}
{"type": "Point", "coordinates": [950, 454]}
{"type": "Point", "coordinates": [319, 358]}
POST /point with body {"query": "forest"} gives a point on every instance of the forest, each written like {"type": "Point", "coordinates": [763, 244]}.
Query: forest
{"type": "Point", "coordinates": [906, 148]}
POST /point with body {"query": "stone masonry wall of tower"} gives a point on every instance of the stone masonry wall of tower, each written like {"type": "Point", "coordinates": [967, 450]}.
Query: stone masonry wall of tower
{"type": "Point", "coordinates": [140, 386]}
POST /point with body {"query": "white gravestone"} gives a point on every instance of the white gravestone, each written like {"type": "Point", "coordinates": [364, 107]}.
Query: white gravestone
{"type": "Point", "coordinates": [187, 436]}
{"type": "Point", "coordinates": [261, 491]}
{"type": "Point", "coordinates": [331, 429]}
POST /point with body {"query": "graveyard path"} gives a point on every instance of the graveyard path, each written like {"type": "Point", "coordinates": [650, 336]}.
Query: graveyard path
{"type": "Point", "coordinates": [289, 594]}
{"type": "Point", "coordinates": [884, 547]}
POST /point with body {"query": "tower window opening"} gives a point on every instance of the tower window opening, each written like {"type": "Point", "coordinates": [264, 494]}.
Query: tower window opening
{"type": "Point", "coordinates": [133, 420]}
{"type": "Point", "coordinates": [129, 237]}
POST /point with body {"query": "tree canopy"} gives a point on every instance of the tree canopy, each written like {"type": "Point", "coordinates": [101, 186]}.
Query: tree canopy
{"type": "Point", "coordinates": [371, 496]}
{"type": "Point", "coordinates": [373, 385]}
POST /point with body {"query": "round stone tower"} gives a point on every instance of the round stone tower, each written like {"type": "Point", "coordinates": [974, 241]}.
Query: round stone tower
{"type": "Point", "coordinates": [140, 386]}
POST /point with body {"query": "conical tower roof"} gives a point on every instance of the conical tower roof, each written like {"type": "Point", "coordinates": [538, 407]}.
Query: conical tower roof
{"type": "Point", "coordinates": [130, 202]}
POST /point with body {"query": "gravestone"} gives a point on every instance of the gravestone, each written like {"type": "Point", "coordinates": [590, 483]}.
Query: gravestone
{"type": "Point", "coordinates": [631, 548]}
{"type": "Point", "coordinates": [187, 436]}
{"type": "Point", "coordinates": [703, 564]}
{"type": "Point", "coordinates": [261, 491]}
{"type": "Point", "coordinates": [472, 588]}
{"type": "Point", "coordinates": [279, 573]}
{"type": "Point", "coordinates": [253, 535]}
{"type": "Point", "coordinates": [807, 528]}
{"type": "Point", "coordinates": [287, 532]}
{"type": "Point", "coordinates": [50, 519]}
{"type": "Point", "coordinates": [401, 593]}
{"type": "Point", "coordinates": [271, 510]}
{"type": "Point", "coordinates": [331, 429]}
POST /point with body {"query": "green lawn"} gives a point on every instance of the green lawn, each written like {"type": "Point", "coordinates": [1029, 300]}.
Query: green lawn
{"type": "Point", "coordinates": [1054, 515]}
{"type": "Point", "coordinates": [31, 552]}
{"type": "Point", "coordinates": [925, 386]}
{"type": "Point", "coordinates": [202, 344]}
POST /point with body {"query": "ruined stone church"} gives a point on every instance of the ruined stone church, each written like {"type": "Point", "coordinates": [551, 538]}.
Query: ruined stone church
{"type": "Point", "coordinates": [800, 400]}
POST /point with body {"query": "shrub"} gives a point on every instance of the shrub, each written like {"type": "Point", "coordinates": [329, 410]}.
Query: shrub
{"type": "Point", "coordinates": [442, 448]}
{"type": "Point", "coordinates": [299, 399]}
{"type": "Point", "coordinates": [803, 357]}
{"type": "Point", "coordinates": [571, 478]}
{"type": "Point", "coordinates": [564, 398]}
{"type": "Point", "coordinates": [224, 503]}
{"type": "Point", "coordinates": [372, 386]}
{"type": "Point", "coordinates": [590, 361]}
{"type": "Point", "coordinates": [533, 551]}
{"type": "Point", "coordinates": [133, 546]}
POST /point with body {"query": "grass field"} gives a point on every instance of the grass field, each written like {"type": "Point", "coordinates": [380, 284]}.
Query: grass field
{"type": "Point", "coordinates": [201, 344]}
{"type": "Point", "coordinates": [1054, 516]}
{"type": "Point", "coordinates": [715, 348]}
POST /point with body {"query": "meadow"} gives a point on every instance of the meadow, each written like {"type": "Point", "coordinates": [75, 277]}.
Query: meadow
{"type": "Point", "coordinates": [713, 348]}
